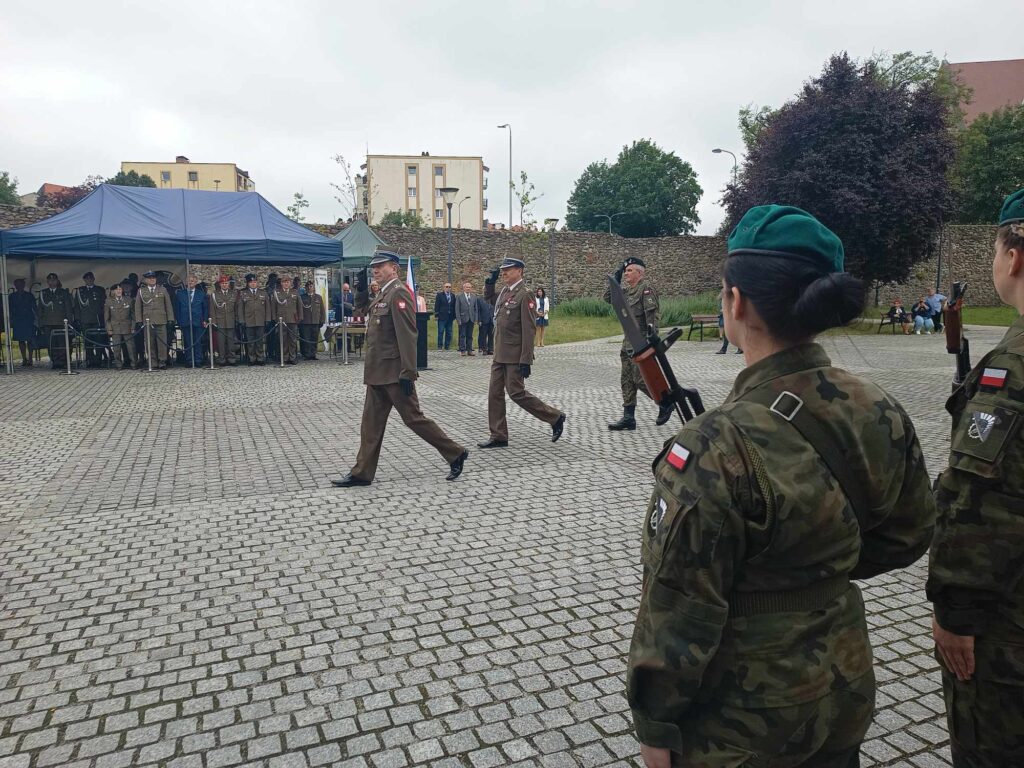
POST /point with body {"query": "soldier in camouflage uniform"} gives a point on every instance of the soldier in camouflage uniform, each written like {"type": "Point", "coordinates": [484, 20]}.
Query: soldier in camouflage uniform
{"type": "Point", "coordinates": [643, 304]}
{"type": "Point", "coordinates": [976, 568]}
{"type": "Point", "coordinates": [751, 646]}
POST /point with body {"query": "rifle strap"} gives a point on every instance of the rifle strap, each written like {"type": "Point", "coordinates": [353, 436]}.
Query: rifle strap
{"type": "Point", "coordinates": [789, 407]}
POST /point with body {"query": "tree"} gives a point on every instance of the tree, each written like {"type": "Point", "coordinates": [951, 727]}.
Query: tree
{"type": "Point", "coordinates": [131, 179]}
{"type": "Point", "coordinates": [8, 190]}
{"type": "Point", "coordinates": [990, 164]}
{"type": "Point", "coordinates": [297, 207]}
{"type": "Point", "coordinates": [867, 155]}
{"type": "Point", "coordinates": [656, 189]}
{"type": "Point", "coordinates": [68, 196]}
{"type": "Point", "coordinates": [752, 120]}
{"type": "Point", "coordinates": [408, 219]}
{"type": "Point", "coordinates": [523, 194]}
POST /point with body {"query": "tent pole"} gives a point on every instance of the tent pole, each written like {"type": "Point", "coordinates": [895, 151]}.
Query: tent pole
{"type": "Point", "coordinates": [7, 315]}
{"type": "Point", "coordinates": [191, 333]}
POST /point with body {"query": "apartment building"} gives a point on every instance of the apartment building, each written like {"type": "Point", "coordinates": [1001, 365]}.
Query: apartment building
{"type": "Point", "coordinates": [184, 174]}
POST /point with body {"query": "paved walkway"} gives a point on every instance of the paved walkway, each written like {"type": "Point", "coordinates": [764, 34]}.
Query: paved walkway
{"type": "Point", "coordinates": [180, 585]}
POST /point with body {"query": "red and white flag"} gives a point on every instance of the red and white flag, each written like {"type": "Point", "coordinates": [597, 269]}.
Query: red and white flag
{"type": "Point", "coordinates": [993, 377]}
{"type": "Point", "coordinates": [678, 456]}
{"type": "Point", "coordinates": [410, 283]}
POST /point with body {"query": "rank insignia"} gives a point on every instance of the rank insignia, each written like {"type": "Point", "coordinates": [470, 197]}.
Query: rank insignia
{"type": "Point", "coordinates": [994, 378]}
{"type": "Point", "coordinates": [678, 457]}
{"type": "Point", "coordinates": [401, 304]}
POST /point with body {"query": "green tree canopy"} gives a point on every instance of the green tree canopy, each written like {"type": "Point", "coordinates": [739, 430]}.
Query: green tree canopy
{"type": "Point", "coordinates": [655, 190]}
{"type": "Point", "coordinates": [409, 219]}
{"type": "Point", "coordinates": [298, 206]}
{"type": "Point", "coordinates": [8, 190]}
{"type": "Point", "coordinates": [131, 179]}
{"type": "Point", "coordinates": [990, 164]}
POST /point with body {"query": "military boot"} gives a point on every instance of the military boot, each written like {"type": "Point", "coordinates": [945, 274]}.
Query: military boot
{"type": "Point", "coordinates": [628, 420]}
{"type": "Point", "coordinates": [664, 414]}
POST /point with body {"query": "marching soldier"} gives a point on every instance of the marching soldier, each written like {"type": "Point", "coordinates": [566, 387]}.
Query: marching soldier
{"type": "Point", "coordinates": [389, 373]}
{"type": "Point", "coordinates": [514, 321]}
{"type": "Point", "coordinates": [751, 642]}
{"type": "Point", "coordinates": [120, 320]}
{"type": "Point", "coordinates": [253, 314]}
{"type": "Point", "coordinates": [89, 319]}
{"type": "Point", "coordinates": [286, 307]}
{"type": "Point", "coordinates": [153, 303]}
{"type": "Point", "coordinates": [55, 306]}
{"type": "Point", "coordinates": [642, 299]}
{"type": "Point", "coordinates": [224, 314]}
{"type": "Point", "coordinates": [976, 567]}
{"type": "Point", "coordinates": [314, 315]}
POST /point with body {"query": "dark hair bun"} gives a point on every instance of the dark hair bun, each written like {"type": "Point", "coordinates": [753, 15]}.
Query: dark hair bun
{"type": "Point", "coordinates": [831, 301]}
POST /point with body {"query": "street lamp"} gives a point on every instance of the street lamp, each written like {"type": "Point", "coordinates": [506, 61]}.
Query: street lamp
{"type": "Point", "coordinates": [460, 209]}
{"type": "Point", "coordinates": [551, 224]}
{"type": "Point", "coordinates": [216, 185]}
{"type": "Point", "coordinates": [448, 195]}
{"type": "Point", "coordinates": [735, 164]}
{"type": "Point", "coordinates": [509, 126]}
{"type": "Point", "coordinates": [606, 216]}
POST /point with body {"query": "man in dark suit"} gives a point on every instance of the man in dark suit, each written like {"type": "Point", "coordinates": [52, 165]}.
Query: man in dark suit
{"type": "Point", "coordinates": [444, 311]}
{"type": "Point", "coordinates": [467, 314]}
{"type": "Point", "coordinates": [485, 318]}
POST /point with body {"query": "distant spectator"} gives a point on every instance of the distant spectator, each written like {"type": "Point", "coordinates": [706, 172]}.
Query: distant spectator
{"type": "Point", "coordinates": [466, 314]}
{"type": "Point", "coordinates": [444, 311]}
{"type": "Point", "coordinates": [936, 302]}
{"type": "Point", "coordinates": [923, 317]}
{"type": "Point", "coordinates": [542, 316]}
{"type": "Point", "coordinates": [485, 332]}
{"type": "Point", "coordinates": [898, 315]}
{"type": "Point", "coordinates": [23, 320]}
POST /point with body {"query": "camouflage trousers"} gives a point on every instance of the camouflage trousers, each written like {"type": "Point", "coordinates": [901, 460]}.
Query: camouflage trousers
{"type": "Point", "coordinates": [630, 379]}
{"type": "Point", "coordinates": [986, 713]}
{"type": "Point", "coordinates": [826, 733]}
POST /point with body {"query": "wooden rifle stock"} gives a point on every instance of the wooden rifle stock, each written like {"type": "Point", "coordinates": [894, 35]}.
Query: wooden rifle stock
{"type": "Point", "coordinates": [956, 343]}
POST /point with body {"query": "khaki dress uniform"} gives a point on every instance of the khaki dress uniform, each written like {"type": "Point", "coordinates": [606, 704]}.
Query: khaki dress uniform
{"type": "Point", "coordinates": [253, 314]}
{"type": "Point", "coordinates": [286, 307]}
{"type": "Point", "coordinates": [514, 325]}
{"type": "Point", "coordinates": [224, 314]}
{"type": "Point", "coordinates": [55, 306]}
{"type": "Point", "coordinates": [153, 303]}
{"type": "Point", "coordinates": [391, 356]}
{"type": "Point", "coordinates": [89, 319]}
{"type": "Point", "coordinates": [120, 322]}
{"type": "Point", "coordinates": [314, 315]}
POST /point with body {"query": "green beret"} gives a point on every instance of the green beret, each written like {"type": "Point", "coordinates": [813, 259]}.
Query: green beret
{"type": "Point", "coordinates": [782, 230]}
{"type": "Point", "coordinates": [1013, 208]}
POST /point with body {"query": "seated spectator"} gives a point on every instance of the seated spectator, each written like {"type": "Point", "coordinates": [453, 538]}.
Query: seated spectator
{"type": "Point", "coordinates": [922, 317]}
{"type": "Point", "coordinates": [898, 315]}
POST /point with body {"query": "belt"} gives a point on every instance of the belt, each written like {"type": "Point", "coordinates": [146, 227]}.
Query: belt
{"type": "Point", "coordinates": [810, 598]}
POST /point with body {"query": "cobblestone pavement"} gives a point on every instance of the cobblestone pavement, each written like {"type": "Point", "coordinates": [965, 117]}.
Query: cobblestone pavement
{"type": "Point", "coordinates": [180, 585]}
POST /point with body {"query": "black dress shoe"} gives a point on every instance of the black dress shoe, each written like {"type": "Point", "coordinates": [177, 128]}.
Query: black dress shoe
{"type": "Point", "coordinates": [493, 443]}
{"type": "Point", "coordinates": [556, 428]}
{"type": "Point", "coordinates": [456, 466]}
{"type": "Point", "coordinates": [348, 481]}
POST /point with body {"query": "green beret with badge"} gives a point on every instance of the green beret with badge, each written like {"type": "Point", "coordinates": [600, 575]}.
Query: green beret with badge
{"type": "Point", "coordinates": [789, 232]}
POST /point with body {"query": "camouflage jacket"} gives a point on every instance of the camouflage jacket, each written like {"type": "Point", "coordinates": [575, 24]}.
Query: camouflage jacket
{"type": "Point", "coordinates": [643, 304]}
{"type": "Point", "coordinates": [749, 544]}
{"type": "Point", "coordinates": [976, 567]}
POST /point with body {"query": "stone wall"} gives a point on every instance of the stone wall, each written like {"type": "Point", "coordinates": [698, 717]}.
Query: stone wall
{"type": "Point", "coordinates": [681, 265]}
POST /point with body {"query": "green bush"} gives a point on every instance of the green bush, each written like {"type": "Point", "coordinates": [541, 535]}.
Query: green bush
{"type": "Point", "coordinates": [586, 306]}
{"type": "Point", "coordinates": [678, 311]}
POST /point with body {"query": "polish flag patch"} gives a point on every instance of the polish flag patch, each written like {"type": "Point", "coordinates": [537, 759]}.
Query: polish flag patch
{"type": "Point", "coordinates": [994, 377]}
{"type": "Point", "coordinates": [401, 304]}
{"type": "Point", "coordinates": [678, 457]}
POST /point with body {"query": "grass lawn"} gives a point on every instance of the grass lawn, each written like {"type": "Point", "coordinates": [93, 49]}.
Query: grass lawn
{"type": "Point", "coordinates": [1003, 316]}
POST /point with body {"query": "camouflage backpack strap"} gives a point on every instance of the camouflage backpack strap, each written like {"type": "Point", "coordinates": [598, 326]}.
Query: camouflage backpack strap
{"type": "Point", "coordinates": [789, 407]}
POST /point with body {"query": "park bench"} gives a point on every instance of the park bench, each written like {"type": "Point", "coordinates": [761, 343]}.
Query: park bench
{"type": "Point", "coordinates": [886, 320]}
{"type": "Point", "coordinates": [698, 321]}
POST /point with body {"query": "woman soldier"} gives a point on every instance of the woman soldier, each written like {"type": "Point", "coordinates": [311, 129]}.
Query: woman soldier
{"type": "Point", "coordinates": [976, 566]}
{"type": "Point", "coordinates": [751, 645]}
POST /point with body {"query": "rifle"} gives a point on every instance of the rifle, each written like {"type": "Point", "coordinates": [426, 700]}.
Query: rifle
{"type": "Point", "coordinates": [956, 343]}
{"type": "Point", "coordinates": [650, 357]}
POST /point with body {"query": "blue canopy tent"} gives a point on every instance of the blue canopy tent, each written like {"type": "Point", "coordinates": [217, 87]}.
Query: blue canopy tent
{"type": "Point", "coordinates": [140, 224]}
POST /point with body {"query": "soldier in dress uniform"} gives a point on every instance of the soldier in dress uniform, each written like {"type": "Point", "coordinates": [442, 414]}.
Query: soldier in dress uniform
{"type": "Point", "coordinates": [286, 307]}
{"type": "Point", "coordinates": [253, 313]}
{"type": "Point", "coordinates": [642, 299]}
{"type": "Point", "coordinates": [514, 325]}
{"type": "Point", "coordinates": [153, 303]}
{"type": "Point", "coordinates": [120, 320]}
{"type": "Point", "coordinates": [224, 314]}
{"type": "Point", "coordinates": [976, 567]}
{"type": "Point", "coordinates": [89, 319]}
{"type": "Point", "coordinates": [389, 373]}
{"type": "Point", "coordinates": [55, 306]}
{"type": "Point", "coordinates": [751, 645]}
{"type": "Point", "coordinates": [314, 315]}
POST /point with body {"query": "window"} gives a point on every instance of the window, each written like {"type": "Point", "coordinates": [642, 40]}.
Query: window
{"type": "Point", "coordinates": [439, 170]}
{"type": "Point", "coordinates": [412, 191]}
{"type": "Point", "coordinates": [439, 213]}
{"type": "Point", "coordinates": [165, 177]}
{"type": "Point", "coordinates": [412, 170]}
{"type": "Point", "coordinates": [193, 175]}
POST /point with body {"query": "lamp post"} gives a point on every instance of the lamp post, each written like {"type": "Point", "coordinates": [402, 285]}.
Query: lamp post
{"type": "Point", "coordinates": [460, 209]}
{"type": "Point", "coordinates": [551, 224]}
{"type": "Point", "coordinates": [448, 195]}
{"type": "Point", "coordinates": [735, 164]}
{"type": "Point", "coordinates": [606, 216]}
{"type": "Point", "coordinates": [509, 126]}
{"type": "Point", "coordinates": [216, 185]}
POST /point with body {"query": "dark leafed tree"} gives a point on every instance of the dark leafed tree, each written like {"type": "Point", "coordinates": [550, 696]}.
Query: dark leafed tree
{"type": "Point", "coordinates": [131, 179]}
{"type": "Point", "coordinates": [655, 190]}
{"type": "Point", "coordinates": [867, 154]}
{"type": "Point", "coordinates": [990, 164]}
{"type": "Point", "coordinates": [68, 196]}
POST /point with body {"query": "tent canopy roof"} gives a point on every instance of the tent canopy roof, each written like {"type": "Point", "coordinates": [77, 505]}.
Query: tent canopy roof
{"type": "Point", "coordinates": [141, 223]}
{"type": "Point", "coordinates": [359, 242]}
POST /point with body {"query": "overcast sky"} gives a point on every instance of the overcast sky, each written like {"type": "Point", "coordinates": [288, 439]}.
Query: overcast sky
{"type": "Point", "coordinates": [279, 88]}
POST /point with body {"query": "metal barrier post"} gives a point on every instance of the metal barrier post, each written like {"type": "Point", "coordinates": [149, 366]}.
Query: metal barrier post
{"type": "Point", "coordinates": [344, 338]}
{"type": "Point", "coordinates": [280, 342]}
{"type": "Point", "coordinates": [211, 329]}
{"type": "Point", "coordinates": [149, 344]}
{"type": "Point", "coordinates": [67, 352]}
